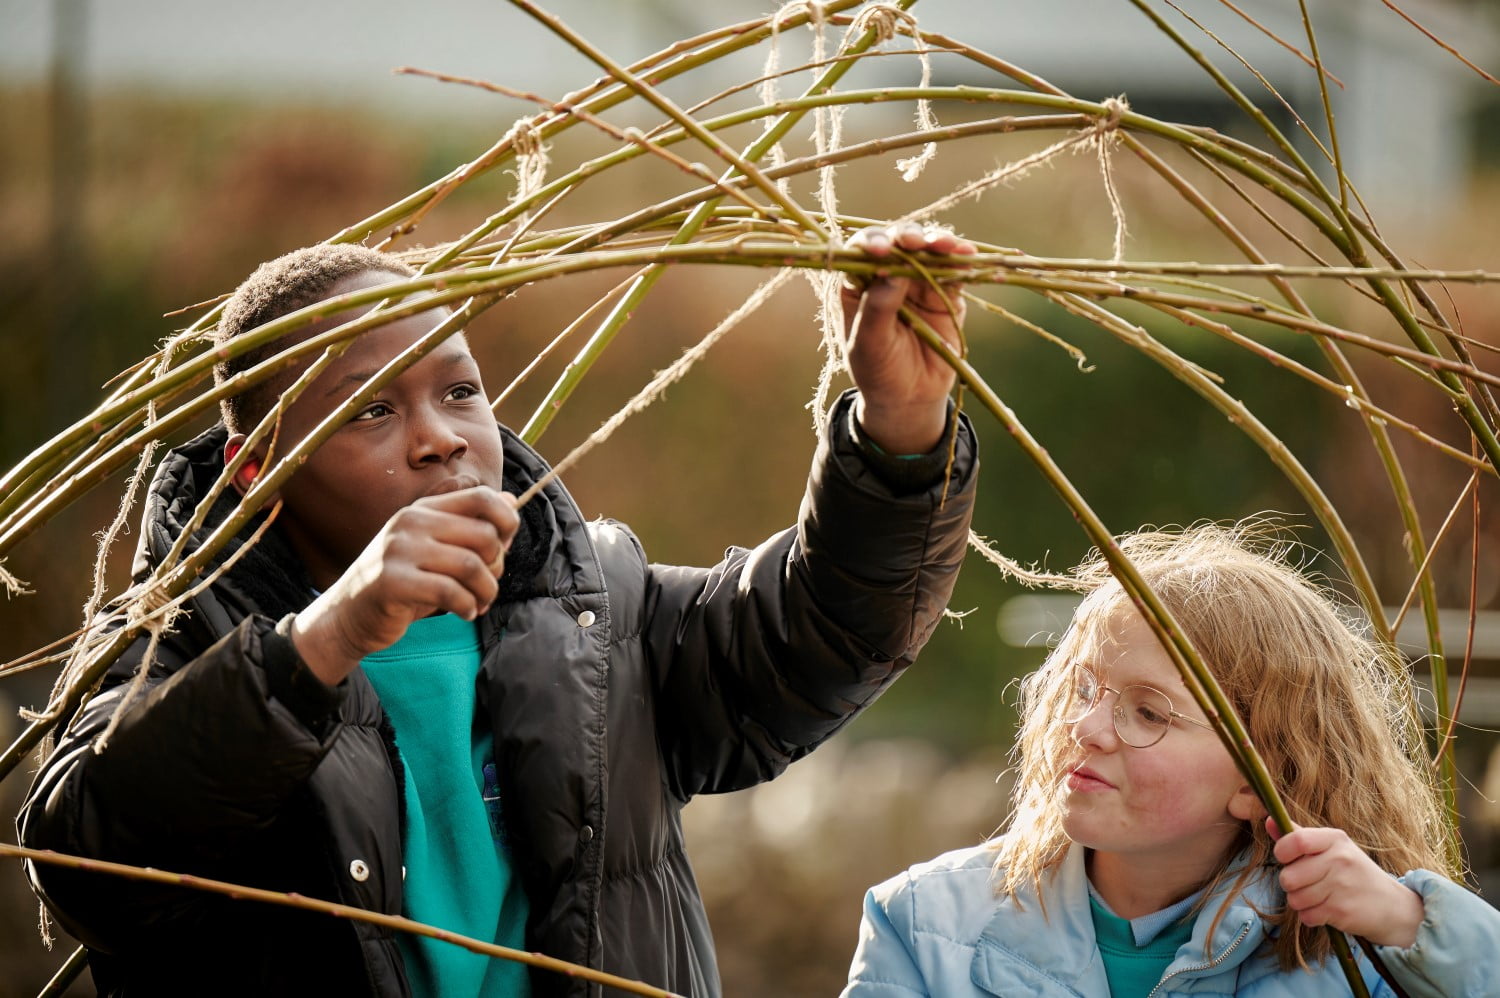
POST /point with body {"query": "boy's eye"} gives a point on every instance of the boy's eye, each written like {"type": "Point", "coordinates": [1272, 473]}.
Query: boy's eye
{"type": "Point", "coordinates": [458, 393]}
{"type": "Point", "coordinates": [375, 410]}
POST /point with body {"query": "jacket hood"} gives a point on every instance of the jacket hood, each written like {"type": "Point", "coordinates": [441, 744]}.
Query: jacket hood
{"type": "Point", "coordinates": [264, 579]}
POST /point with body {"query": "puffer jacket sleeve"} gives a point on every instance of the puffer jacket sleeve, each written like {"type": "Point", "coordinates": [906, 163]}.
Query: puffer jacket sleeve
{"type": "Point", "coordinates": [1457, 952]}
{"type": "Point", "coordinates": [762, 657]}
{"type": "Point", "coordinates": [201, 758]}
{"type": "Point", "coordinates": [883, 965]}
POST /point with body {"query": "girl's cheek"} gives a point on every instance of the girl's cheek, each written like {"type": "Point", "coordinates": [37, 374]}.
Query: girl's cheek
{"type": "Point", "coordinates": [1167, 797]}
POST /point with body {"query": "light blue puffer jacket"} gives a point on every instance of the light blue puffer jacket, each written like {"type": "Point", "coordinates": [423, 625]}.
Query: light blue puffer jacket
{"type": "Point", "coordinates": [938, 929]}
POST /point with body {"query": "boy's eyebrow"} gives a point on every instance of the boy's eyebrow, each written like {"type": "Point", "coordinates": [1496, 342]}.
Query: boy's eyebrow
{"type": "Point", "coordinates": [360, 377]}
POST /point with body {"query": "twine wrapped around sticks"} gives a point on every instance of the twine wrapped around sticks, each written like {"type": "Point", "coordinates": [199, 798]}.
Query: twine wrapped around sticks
{"type": "Point", "coordinates": [1103, 138]}
{"type": "Point", "coordinates": [887, 21]}
{"type": "Point", "coordinates": [532, 160]}
{"type": "Point", "coordinates": [1091, 136]}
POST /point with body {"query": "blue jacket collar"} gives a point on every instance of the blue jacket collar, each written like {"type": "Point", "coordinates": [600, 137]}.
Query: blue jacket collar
{"type": "Point", "coordinates": [1018, 954]}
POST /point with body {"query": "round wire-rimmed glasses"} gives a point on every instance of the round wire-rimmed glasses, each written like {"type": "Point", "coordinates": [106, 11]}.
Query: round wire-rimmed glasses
{"type": "Point", "coordinates": [1141, 714]}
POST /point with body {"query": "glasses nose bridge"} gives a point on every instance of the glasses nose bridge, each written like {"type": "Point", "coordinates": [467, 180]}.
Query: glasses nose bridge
{"type": "Point", "coordinates": [1113, 709]}
{"type": "Point", "coordinates": [1118, 717]}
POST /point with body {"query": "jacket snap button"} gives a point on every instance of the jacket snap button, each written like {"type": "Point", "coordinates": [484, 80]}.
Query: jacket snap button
{"type": "Point", "coordinates": [586, 618]}
{"type": "Point", "coordinates": [586, 833]}
{"type": "Point", "coordinates": [359, 871]}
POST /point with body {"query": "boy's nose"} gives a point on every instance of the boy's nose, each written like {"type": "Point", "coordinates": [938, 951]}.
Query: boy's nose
{"type": "Point", "coordinates": [436, 440]}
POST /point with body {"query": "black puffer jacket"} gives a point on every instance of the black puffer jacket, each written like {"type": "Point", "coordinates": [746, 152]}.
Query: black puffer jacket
{"type": "Point", "coordinates": [616, 690]}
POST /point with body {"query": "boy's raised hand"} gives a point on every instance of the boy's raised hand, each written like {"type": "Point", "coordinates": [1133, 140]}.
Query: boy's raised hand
{"type": "Point", "coordinates": [443, 553]}
{"type": "Point", "coordinates": [903, 385]}
{"type": "Point", "coordinates": [1331, 881]}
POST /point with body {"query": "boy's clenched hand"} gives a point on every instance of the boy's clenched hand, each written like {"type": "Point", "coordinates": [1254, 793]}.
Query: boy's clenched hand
{"type": "Point", "coordinates": [443, 553]}
{"type": "Point", "coordinates": [903, 385]}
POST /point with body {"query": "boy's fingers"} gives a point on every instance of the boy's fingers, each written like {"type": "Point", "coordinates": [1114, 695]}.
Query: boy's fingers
{"type": "Point", "coordinates": [422, 524]}
{"type": "Point", "coordinates": [911, 237]}
{"type": "Point", "coordinates": [443, 592]}
{"type": "Point", "coordinates": [467, 569]}
{"type": "Point", "coordinates": [480, 503]}
{"type": "Point", "coordinates": [875, 240]}
{"type": "Point", "coordinates": [943, 241]}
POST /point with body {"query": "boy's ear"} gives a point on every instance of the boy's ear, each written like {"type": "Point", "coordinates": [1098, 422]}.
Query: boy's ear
{"type": "Point", "coordinates": [249, 471]}
{"type": "Point", "coordinates": [1246, 806]}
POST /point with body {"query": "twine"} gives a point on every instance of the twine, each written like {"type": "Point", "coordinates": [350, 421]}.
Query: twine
{"type": "Point", "coordinates": [1098, 131]}
{"type": "Point", "coordinates": [532, 160]}
{"type": "Point", "coordinates": [887, 21]}
{"type": "Point", "coordinates": [770, 92]}
{"type": "Point", "coordinates": [1105, 133]}
{"type": "Point", "coordinates": [883, 19]}
{"type": "Point", "coordinates": [11, 584]}
{"type": "Point", "coordinates": [827, 285]}
{"type": "Point", "coordinates": [653, 390]}
{"type": "Point", "coordinates": [1031, 577]}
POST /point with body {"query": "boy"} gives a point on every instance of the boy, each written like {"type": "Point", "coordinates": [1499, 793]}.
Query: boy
{"type": "Point", "coordinates": [361, 711]}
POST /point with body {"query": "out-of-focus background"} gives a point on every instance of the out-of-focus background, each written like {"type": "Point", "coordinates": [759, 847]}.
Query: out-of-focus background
{"type": "Point", "coordinates": [152, 152]}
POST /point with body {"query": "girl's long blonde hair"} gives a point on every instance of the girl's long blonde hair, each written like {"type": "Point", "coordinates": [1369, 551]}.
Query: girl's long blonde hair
{"type": "Point", "coordinates": [1329, 710]}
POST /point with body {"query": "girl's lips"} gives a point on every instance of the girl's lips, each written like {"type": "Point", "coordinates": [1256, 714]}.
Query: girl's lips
{"type": "Point", "coordinates": [1087, 780]}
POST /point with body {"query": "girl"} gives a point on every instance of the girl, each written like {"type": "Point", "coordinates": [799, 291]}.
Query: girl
{"type": "Point", "coordinates": [1138, 861]}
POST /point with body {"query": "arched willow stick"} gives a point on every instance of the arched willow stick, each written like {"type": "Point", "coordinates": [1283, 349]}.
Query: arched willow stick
{"type": "Point", "coordinates": [1195, 674]}
{"type": "Point", "coordinates": [1348, 240]}
{"type": "Point", "coordinates": [485, 281]}
{"type": "Point", "coordinates": [240, 892]}
{"type": "Point", "coordinates": [66, 974]}
{"type": "Point", "coordinates": [1378, 433]}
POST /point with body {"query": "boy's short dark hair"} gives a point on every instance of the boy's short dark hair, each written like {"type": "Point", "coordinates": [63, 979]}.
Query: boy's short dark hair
{"type": "Point", "coordinates": [279, 287]}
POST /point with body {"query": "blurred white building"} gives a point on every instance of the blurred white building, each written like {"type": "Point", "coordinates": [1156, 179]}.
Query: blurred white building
{"type": "Point", "coordinates": [1402, 112]}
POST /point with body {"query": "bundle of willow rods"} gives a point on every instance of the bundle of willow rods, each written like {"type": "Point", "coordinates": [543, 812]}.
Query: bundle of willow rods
{"type": "Point", "coordinates": [736, 206]}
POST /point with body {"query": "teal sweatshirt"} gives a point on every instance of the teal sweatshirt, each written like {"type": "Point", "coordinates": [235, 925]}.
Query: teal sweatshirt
{"type": "Point", "coordinates": [458, 872]}
{"type": "Point", "coordinates": [1136, 952]}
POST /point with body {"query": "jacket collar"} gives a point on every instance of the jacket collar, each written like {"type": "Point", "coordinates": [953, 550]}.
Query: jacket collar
{"type": "Point", "coordinates": [1019, 953]}
{"type": "Point", "coordinates": [270, 580]}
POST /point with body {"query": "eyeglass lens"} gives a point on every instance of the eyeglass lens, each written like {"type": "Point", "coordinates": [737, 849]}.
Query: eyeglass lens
{"type": "Point", "coordinates": [1141, 715]}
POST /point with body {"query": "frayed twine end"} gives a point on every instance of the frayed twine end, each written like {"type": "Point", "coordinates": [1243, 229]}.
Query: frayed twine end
{"type": "Point", "coordinates": [911, 168]}
{"type": "Point", "coordinates": [12, 585]}
{"type": "Point", "coordinates": [1105, 133]}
